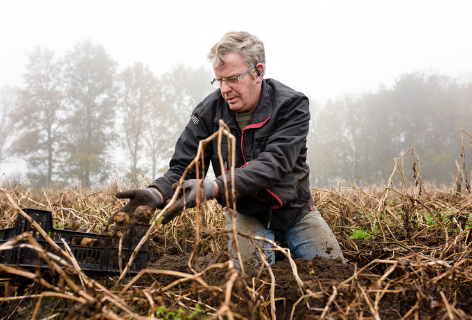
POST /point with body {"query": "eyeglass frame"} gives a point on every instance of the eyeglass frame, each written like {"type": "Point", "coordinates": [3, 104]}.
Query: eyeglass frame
{"type": "Point", "coordinates": [232, 78]}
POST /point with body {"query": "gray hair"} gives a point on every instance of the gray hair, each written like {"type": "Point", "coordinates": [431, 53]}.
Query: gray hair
{"type": "Point", "coordinates": [244, 43]}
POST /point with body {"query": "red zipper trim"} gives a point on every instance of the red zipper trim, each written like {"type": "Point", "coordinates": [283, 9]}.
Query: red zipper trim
{"type": "Point", "coordinates": [251, 126]}
{"type": "Point", "coordinates": [275, 206]}
{"type": "Point", "coordinates": [311, 207]}
{"type": "Point", "coordinates": [245, 165]}
{"type": "Point", "coordinates": [256, 126]}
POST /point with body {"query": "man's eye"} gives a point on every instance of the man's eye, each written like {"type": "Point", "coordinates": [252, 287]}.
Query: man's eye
{"type": "Point", "coordinates": [232, 80]}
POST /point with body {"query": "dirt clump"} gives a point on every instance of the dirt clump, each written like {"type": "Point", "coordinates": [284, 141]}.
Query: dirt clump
{"type": "Point", "coordinates": [165, 254]}
{"type": "Point", "coordinates": [159, 247]}
{"type": "Point", "coordinates": [316, 273]}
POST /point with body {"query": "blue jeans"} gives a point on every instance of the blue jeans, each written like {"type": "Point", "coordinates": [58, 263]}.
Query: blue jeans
{"type": "Point", "coordinates": [309, 238]}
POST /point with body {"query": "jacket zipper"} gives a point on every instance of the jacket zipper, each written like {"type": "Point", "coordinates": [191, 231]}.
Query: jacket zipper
{"type": "Point", "coordinates": [276, 197]}
{"type": "Point", "coordinates": [250, 126]}
{"type": "Point", "coordinates": [270, 217]}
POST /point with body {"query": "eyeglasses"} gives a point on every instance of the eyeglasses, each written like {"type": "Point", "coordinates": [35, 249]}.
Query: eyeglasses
{"type": "Point", "coordinates": [231, 81]}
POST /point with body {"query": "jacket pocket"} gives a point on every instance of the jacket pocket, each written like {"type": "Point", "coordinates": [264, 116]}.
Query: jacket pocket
{"type": "Point", "coordinates": [302, 194]}
{"type": "Point", "coordinates": [290, 213]}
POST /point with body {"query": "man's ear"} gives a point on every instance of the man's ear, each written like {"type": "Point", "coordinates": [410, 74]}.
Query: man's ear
{"type": "Point", "coordinates": [260, 69]}
{"type": "Point", "coordinates": [260, 72]}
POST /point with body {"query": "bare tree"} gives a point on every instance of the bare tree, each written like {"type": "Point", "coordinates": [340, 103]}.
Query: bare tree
{"type": "Point", "coordinates": [359, 136]}
{"type": "Point", "coordinates": [139, 89]}
{"type": "Point", "coordinates": [40, 104]}
{"type": "Point", "coordinates": [183, 88]}
{"type": "Point", "coordinates": [7, 104]}
{"type": "Point", "coordinates": [160, 136]}
{"type": "Point", "coordinates": [89, 78]}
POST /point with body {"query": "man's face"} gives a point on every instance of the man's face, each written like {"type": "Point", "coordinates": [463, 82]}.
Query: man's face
{"type": "Point", "coordinates": [241, 96]}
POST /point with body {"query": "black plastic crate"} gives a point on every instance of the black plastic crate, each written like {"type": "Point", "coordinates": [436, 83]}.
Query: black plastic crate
{"type": "Point", "coordinates": [88, 258]}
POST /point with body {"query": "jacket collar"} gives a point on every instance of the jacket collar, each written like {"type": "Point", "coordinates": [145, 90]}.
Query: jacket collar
{"type": "Point", "coordinates": [263, 111]}
{"type": "Point", "coordinates": [264, 107]}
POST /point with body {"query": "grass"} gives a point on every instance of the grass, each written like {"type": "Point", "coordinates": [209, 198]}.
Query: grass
{"type": "Point", "coordinates": [362, 234]}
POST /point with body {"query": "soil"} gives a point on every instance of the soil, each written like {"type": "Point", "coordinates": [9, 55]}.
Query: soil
{"type": "Point", "coordinates": [314, 273]}
{"type": "Point", "coordinates": [319, 275]}
{"type": "Point", "coordinates": [166, 255]}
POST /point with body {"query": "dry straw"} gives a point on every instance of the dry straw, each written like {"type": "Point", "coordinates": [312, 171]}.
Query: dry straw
{"type": "Point", "coordinates": [414, 262]}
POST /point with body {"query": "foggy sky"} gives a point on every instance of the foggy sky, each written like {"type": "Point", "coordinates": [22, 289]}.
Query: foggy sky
{"type": "Point", "coordinates": [322, 48]}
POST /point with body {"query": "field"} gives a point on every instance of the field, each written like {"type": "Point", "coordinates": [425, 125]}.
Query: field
{"type": "Point", "coordinates": [407, 247]}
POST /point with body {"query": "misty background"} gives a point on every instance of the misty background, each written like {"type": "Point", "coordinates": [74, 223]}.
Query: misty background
{"type": "Point", "coordinates": [96, 90]}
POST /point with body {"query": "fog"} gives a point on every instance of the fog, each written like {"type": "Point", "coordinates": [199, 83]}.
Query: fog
{"type": "Point", "coordinates": [322, 48]}
{"type": "Point", "coordinates": [339, 53]}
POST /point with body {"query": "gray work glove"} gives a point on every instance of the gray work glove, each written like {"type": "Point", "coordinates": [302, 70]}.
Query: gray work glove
{"type": "Point", "coordinates": [190, 199]}
{"type": "Point", "coordinates": [138, 197]}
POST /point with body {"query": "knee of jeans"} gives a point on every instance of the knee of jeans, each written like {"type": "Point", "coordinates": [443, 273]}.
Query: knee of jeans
{"type": "Point", "coordinates": [249, 225]}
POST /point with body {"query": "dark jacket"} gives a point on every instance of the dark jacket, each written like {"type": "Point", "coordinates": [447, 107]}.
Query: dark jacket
{"type": "Point", "coordinates": [271, 175]}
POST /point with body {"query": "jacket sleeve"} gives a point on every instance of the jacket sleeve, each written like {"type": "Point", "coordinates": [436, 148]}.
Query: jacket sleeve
{"type": "Point", "coordinates": [282, 151]}
{"type": "Point", "coordinates": [198, 128]}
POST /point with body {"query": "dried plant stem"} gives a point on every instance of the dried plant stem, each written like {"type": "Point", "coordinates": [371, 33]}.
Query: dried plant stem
{"type": "Point", "coordinates": [46, 294]}
{"type": "Point", "coordinates": [272, 282]}
{"type": "Point", "coordinates": [232, 145]}
{"type": "Point", "coordinates": [330, 301]}
{"type": "Point", "coordinates": [120, 255]}
{"type": "Point", "coordinates": [74, 263]}
{"type": "Point", "coordinates": [316, 295]}
{"type": "Point", "coordinates": [425, 273]}
{"type": "Point", "coordinates": [225, 309]}
{"type": "Point", "coordinates": [172, 201]}
{"type": "Point", "coordinates": [185, 277]}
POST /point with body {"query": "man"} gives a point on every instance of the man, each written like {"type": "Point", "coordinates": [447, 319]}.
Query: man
{"type": "Point", "coordinates": [270, 122]}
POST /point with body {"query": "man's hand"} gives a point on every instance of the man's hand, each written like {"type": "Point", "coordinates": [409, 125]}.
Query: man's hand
{"type": "Point", "coordinates": [190, 199]}
{"type": "Point", "coordinates": [149, 197]}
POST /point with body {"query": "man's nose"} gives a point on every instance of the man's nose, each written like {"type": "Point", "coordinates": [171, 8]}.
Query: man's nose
{"type": "Point", "coordinates": [225, 87]}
